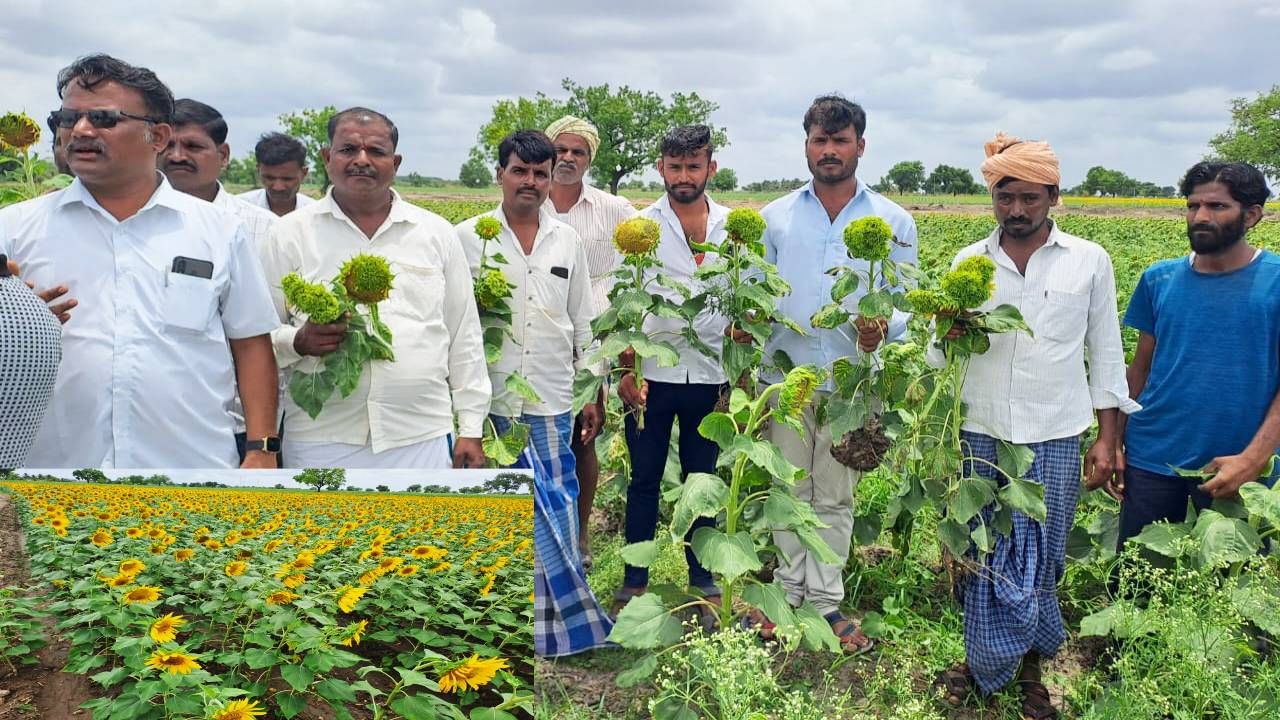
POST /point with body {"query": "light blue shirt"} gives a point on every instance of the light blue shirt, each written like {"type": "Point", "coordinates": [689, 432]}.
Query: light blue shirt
{"type": "Point", "coordinates": [804, 243]}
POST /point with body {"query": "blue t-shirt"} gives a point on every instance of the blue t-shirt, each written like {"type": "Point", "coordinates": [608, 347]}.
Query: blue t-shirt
{"type": "Point", "coordinates": [1216, 366]}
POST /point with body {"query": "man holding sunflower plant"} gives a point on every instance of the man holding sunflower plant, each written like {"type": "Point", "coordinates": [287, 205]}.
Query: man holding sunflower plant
{"type": "Point", "coordinates": [1031, 391]}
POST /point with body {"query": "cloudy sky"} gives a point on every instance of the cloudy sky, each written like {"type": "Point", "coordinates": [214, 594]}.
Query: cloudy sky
{"type": "Point", "coordinates": [1136, 85]}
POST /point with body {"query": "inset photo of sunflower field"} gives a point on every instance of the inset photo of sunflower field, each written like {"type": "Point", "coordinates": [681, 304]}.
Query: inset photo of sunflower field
{"type": "Point", "coordinates": [229, 595]}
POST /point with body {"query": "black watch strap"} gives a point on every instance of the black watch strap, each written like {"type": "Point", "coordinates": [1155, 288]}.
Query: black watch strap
{"type": "Point", "coordinates": [269, 444]}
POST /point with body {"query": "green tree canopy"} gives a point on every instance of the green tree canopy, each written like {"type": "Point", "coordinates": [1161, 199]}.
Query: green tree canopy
{"type": "Point", "coordinates": [631, 123]}
{"type": "Point", "coordinates": [475, 172]}
{"type": "Point", "coordinates": [725, 180]}
{"type": "Point", "coordinates": [1254, 135]}
{"type": "Point", "coordinates": [241, 171]}
{"type": "Point", "coordinates": [948, 180]}
{"type": "Point", "coordinates": [311, 127]}
{"type": "Point", "coordinates": [905, 177]}
{"type": "Point", "coordinates": [322, 478]}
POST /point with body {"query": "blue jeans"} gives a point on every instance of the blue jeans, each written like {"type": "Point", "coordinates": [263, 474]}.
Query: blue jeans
{"type": "Point", "coordinates": [648, 449]}
{"type": "Point", "coordinates": [1151, 497]}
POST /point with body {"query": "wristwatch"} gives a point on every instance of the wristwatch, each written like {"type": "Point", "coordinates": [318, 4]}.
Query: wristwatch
{"type": "Point", "coordinates": [268, 444]}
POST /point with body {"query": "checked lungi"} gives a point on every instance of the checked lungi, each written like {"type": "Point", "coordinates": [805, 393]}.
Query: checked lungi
{"type": "Point", "coordinates": [1010, 602]}
{"type": "Point", "coordinates": [566, 617]}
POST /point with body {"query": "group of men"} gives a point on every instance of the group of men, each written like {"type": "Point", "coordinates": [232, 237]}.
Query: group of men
{"type": "Point", "coordinates": [176, 329]}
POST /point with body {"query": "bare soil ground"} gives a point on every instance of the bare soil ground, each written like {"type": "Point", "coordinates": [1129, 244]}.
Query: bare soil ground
{"type": "Point", "coordinates": [40, 691]}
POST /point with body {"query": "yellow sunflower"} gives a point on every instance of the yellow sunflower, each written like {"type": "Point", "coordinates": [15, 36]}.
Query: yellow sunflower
{"type": "Point", "coordinates": [166, 628]}
{"type": "Point", "coordinates": [101, 538]}
{"type": "Point", "coordinates": [281, 597]}
{"type": "Point", "coordinates": [356, 630]}
{"type": "Point", "coordinates": [234, 569]}
{"type": "Point", "coordinates": [239, 710]}
{"type": "Point", "coordinates": [132, 567]}
{"type": "Point", "coordinates": [294, 580]}
{"type": "Point", "coordinates": [407, 570]}
{"type": "Point", "coordinates": [174, 662]}
{"type": "Point", "coordinates": [350, 598]}
{"type": "Point", "coordinates": [184, 554]}
{"type": "Point", "coordinates": [142, 594]}
{"type": "Point", "coordinates": [471, 673]}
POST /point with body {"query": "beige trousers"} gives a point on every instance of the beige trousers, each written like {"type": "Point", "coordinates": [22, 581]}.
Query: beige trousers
{"type": "Point", "coordinates": [828, 488]}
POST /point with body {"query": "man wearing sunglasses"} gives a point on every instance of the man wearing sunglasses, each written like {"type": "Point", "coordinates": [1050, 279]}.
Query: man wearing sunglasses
{"type": "Point", "coordinates": [171, 310]}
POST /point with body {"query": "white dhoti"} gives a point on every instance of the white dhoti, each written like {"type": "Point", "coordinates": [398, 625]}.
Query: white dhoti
{"type": "Point", "coordinates": [430, 454]}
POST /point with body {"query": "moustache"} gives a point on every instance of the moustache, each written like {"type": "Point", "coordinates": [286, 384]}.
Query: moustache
{"type": "Point", "coordinates": [86, 146]}
{"type": "Point", "coordinates": [566, 165]}
{"type": "Point", "coordinates": [1204, 228]}
{"type": "Point", "coordinates": [175, 165]}
{"type": "Point", "coordinates": [362, 173]}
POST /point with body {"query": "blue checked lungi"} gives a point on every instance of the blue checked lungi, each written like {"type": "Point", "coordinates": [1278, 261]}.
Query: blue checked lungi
{"type": "Point", "coordinates": [1010, 602]}
{"type": "Point", "coordinates": [566, 617]}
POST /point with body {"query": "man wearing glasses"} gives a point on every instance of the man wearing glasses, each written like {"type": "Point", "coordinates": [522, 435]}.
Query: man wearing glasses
{"type": "Point", "coordinates": [171, 310]}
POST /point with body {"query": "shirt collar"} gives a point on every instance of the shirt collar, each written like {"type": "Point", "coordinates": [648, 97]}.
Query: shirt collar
{"type": "Point", "coordinates": [164, 196]}
{"type": "Point", "coordinates": [399, 210]}
{"type": "Point", "coordinates": [716, 213]}
{"type": "Point", "coordinates": [858, 192]}
{"type": "Point", "coordinates": [589, 195]}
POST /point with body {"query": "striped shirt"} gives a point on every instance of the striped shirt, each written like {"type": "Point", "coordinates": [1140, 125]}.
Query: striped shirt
{"type": "Point", "coordinates": [594, 216]}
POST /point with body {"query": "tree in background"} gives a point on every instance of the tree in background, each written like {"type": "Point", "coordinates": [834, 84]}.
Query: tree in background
{"type": "Point", "coordinates": [437, 489]}
{"type": "Point", "coordinates": [322, 478]}
{"type": "Point", "coordinates": [414, 488]}
{"type": "Point", "coordinates": [90, 475]}
{"type": "Point", "coordinates": [241, 171]}
{"type": "Point", "coordinates": [1254, 135]}
{"type": "Point", "coordinates": [631, 124]}
{"type": "Point", "coordinates": [948, 180]}
{"type": "Point", "coordinates": [508, 482]}
{"type": "Point", "coordinates": [905, 177]}
{"type": "Point", "coordinates": [476, 172]}
{"type": "Point", "coordinates": [725, 180]}
{"type": "Point", "coordinates": [1104, 181]}
{"type": "Point", "coordinates": [783, 185]}
{"type": "Point", "coordinates": [383, 488]}
{"type": "Point", "coordinates": [311, 128]}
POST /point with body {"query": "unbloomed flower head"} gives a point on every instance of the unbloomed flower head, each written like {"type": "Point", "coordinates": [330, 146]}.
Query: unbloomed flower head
{"type": "Point", "coordinates": [315, 300]}
{"type": "Point", "coordinates": [637, 236]}
{"type": "Point", "coordinates": [492, 287]}
{"type": "Point", "coordinates": [744, 225]}
{"type": "Point", "coordinates": [980, 264]}
{"type": "Point", "coordinates": [367, 278]}
{"type": "Point", "coordinates": [488, 227]}
{"type": "Point", "coordinates": [868, 238]}
{"type": "Point", "coordinates": [18, 131]}
{"type": "Point", "coordinates": [924, 302]}
{"type": "Point", "coordinates": [797, 390]}
{"type": "Point", "coordinates": [966, 288]}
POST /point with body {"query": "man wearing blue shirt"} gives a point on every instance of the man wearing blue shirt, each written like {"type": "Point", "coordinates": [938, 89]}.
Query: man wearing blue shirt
{"type": "Point", "coordinates": [1207, 367]}
{"type": "Point", "coordinates": [804, 237]}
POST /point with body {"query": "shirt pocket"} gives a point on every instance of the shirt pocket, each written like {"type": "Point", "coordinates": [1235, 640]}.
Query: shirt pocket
{"type": "Point", "coordinates": [550, 292]}
{"type": "Point", "coordinates": [418, 292]}
{"type": "Point", "coordinates": [1064, 316]}
{"type": "Point", "coordinates": [189, 302]}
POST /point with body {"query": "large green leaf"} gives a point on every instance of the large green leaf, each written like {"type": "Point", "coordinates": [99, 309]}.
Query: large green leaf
{"type": "Point", "coordinates": [737, 357]}
{"type": "Point", "coordinates": [1026, 497]}
{"type": "Point", "coordinates": [517, 384]}
{"type": "Point", "coordinates": [298, 677]}
{"type": "Point", "coordinates": [718, 428]}
{"type": "Point", "coordinates": [663, 352]}
{"type": "Point", "coordinates": [845, 414]}
{"type": "Point", "coordinates": [729, 556]}
{"type": "Point", "coordinates": [703, 495]}
{"type": "Point", "coordinates": [829, 317]}
{"type": "Point", "coordinates": [972, 494]}
{"type": "Point", "coordinates": [645, 623]}
{"type": "Point", "coordinates": [586, 388]}
{"type": "Point", "coordinates": [1014, 460]}
{"type": "Point", "coordinates": [638, 672]}
{"type": "Point", "coordinates": [845, 285]}
{"type": "Point", "coordinates": [767, 456]}
{"type": "Point", "coordinates": [1224, 540]}
{"type": "Point", "coordinates": [640, 554]}
{"type": "Point", "coordinates": [426, 707]}
{"type": "Point", "coordinates": [1258, 599]}
{"type": "Point", "coordinates": [311, 390]}
{"type": "Point", "coordinates": [954, 535]}
{"type": "Point", "coordinates": [771, 600]}
{"type": "Point", "coordinates": [1119, 619]}
{"type": "Point", "coordinates": [877, 304]}
{"type": "Point", "coordinates": [1164, 538]}
{"type": "Point", "coordinates": [1262, 501]}
{"type": "Point", "coordinates": [1006, 318]}
{"type": "Point", "coordinates": [817, 631]}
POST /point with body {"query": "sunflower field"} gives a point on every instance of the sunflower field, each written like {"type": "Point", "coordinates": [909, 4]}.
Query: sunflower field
{"type": "Point", "coordinates": [241, 604]}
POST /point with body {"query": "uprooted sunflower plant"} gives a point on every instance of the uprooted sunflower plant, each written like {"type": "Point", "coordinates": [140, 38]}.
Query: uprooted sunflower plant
{"type": "Point", "coordinates": [860, 390]}
{"type": "Point", "coordinates": [744, 287]}
{"type": "Point", "coordinates": [621, 327]}
{"type": "Point", "coordinates": [33, 176]}
{"type": "Point", "coordinates": [493, 295]}
{"type": "Point", "coordinates": [354, 293]}
{"type": "Point", "coordinates": [928, 453]}
{"type": "Point", "coordinates": [751, 498]}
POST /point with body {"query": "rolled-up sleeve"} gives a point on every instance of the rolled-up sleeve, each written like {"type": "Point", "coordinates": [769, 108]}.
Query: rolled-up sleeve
{"type": "Point", "coordinates": [468, 375]}
{"type": "Point", "coordinates": [1108, 387]}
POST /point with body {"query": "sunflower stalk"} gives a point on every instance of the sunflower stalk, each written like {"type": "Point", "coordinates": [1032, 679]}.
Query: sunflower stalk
{"type": "Point", "coordinates": [33, 176]}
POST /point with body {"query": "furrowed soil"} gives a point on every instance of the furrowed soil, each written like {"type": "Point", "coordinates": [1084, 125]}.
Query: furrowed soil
{"type": "Point", "coordinates": [40, 691]}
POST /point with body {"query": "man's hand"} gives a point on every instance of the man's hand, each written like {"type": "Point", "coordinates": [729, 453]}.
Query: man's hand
{"type": "Point", "coordinates": [871, 332]}
{"type": "Point", "coordinates": [258, 460]}
{"type": "Point", "coordinates": [319, 340]}
{"type": "Point", "coordinates": [1104, 468]}
{"type": "Point", "coordinates": [592, 420]}
{"type": "Point", "coordinates": [1231, 472]}
{"type": "Point", "coordinates": [60, 310]}
{"type": "Point", "coordinates": [738, 336]}
{"type": "Point", "coordinates": [467, 453]}
{"type": "Point", "coordinates": [630, 394]}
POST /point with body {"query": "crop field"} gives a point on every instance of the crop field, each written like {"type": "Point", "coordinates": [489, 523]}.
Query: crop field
{"type": "Point", "coordinates": [238, 604]}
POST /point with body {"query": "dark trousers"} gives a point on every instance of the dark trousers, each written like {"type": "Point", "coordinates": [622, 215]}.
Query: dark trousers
{"type": "Point", "coordinates": [667, 402]}
{"type": "Point", "coordinates": [1151, 497]}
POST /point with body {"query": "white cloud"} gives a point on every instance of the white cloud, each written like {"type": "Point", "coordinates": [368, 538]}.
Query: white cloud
{"type": "Point", "coordinates": [1130, 59]}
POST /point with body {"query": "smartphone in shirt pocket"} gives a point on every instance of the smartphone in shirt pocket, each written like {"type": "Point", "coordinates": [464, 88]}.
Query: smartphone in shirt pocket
{"type": "Point", "coordinates": [189, 294]}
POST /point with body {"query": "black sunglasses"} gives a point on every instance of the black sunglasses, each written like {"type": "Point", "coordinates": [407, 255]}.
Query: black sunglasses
{"type": "Point", "coordinates": [101, 119]}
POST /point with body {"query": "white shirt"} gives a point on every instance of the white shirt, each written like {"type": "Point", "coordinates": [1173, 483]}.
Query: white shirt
{"type": "Point", "coordinates": [439, 367]}
{"type": "Point", "coordinates": [551, 312]}
{"type": "Point", "coordinates": [1032, 389]}
{"type": "Point", "coordinates": [257, 223]}
{"type": "Point", "coordinates": [258, 198]}
{"type": "Point", "coordinates": [147, 376]}
{"type": "Point", "coordinates": [594, 217]}
{"type": "Point", "coordinates": [679, 265]}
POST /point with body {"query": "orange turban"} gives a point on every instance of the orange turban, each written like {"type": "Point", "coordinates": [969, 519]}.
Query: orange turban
{"type": "Point", "coordinates": [1011, 157]}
